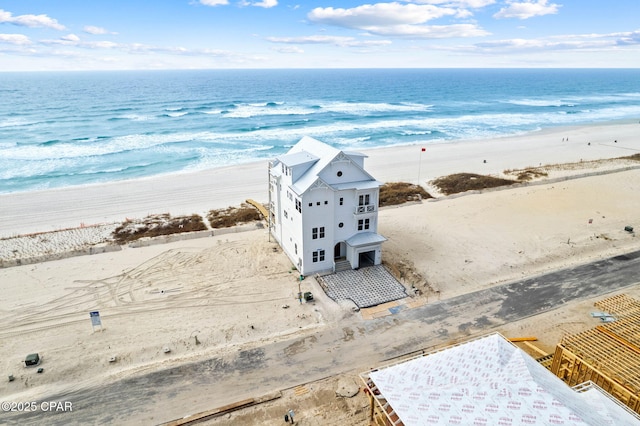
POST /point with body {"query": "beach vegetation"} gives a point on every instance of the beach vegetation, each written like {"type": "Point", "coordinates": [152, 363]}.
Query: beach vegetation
{"type": "Point", "coordinates": [634, 157]}
{"type": "Point", "coordinates": [394, 193]}
{"type": "Point", "coordinates": [155, 226]}
{"type": "Point", "coordinates": [406, 272]}
{"type": "Point", "coordinates": [461, 182]}
{"type": "Point", "coordinates": [527, 174]}
{"type": "Point", "coordinates": [232, 216]}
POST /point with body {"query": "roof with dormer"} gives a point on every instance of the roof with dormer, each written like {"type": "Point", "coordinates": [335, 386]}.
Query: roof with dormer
{"type": "Point", "coordinates": [317, 156]}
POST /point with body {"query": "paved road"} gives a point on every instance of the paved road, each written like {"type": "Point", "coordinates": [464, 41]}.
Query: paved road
{"type": "Point", "coordinates": [354, 344]}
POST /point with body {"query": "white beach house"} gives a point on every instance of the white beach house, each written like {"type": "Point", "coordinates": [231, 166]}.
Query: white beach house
{"type": "Point", "coordinates": [324, 208]}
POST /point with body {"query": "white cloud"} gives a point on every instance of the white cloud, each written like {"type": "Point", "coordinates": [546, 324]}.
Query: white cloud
{"type": "Point", "coordinates": [289, 49]}
{"type": "Point", "coordinates": [90, 29]}
{"type": "Point", "coordinates": [31, 21]}
{"type": "Point", "coordinates": [334, 40]}
{"type": "Point", "coordinates": [101, 45]}
{"type": "Point", "coordinates": [474, 4]}
{"type": "Point", "coordinates": [264, 3]}
{"type": "Point", "coordinates": [526, 10]}
{"type": "Point", "coordinates": [399, 20]}
{"type": "Point", "coordinates": [214, 2]}
{"type": "Point", "coordinates": [430, 31]}
{"type": "Point", "coordinates": [71, 37]}
{"type": "Point", "coordinates": [18, 39]}
{"type": "Point", "coordinates": [574, 42]}
{"type": "Point", "coordinates": [629, 38]}
{"type": "Point", "coordinates": [379, 14]}
{"type": "Point", "coordinates": [74, 40]}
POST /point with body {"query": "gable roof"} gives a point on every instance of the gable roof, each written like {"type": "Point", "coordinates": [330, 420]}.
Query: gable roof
{"type": "Point", "coordinates": [489, 381]}
{"type": "Point", "coordinates": [322, 154]}
{"type": "Point", "coordinates": [297, 158]}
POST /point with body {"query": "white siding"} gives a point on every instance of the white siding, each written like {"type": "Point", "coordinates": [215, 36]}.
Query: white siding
{"type": "Point", "coordinates": [322, 182]}
{"type": "Point", "coordinates": [319, 215]}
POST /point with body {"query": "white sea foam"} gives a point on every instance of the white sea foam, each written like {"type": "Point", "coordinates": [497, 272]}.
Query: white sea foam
{"type": "Point", "coordinates": [355, 108]}
{"type": "Point", "coordinates": [15, 122]}
{"type": "Point", "coordinates": [208, 124]}
{"type": "Point", "coordinates": [257, 110]}
{"type": "Point", "coordinates": [138, 117]}
{"type": "Point", "coordinates": [541, 102]}
{"type": "Point", "coordinates": [364, 108]}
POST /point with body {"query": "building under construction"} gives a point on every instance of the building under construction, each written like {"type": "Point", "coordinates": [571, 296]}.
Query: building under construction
{"type": "Point", "coordinates": [486, 381]}
{"type": "Point", "coordinates": [607, 355]}
{"type": "Point", "coordinates": [490, 381]}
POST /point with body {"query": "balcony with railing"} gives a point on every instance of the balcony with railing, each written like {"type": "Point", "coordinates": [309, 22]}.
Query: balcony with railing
{"type": "Point", "coordinates": [369, 208]}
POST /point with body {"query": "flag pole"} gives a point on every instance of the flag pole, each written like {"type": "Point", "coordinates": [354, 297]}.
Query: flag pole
{"type": "Point", "coordinates": [420, 164]}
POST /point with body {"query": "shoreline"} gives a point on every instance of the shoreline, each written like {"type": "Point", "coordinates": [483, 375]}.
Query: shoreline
{"type": "Point", "coordinates": [201, 191]}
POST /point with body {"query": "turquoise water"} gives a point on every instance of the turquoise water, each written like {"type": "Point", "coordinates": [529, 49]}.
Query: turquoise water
{"type": "Point", "coordinates": [64, 129]}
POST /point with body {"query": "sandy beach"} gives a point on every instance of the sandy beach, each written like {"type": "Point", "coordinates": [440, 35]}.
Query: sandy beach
{"type": "Point", "coordinates": [216, 294]}
{"type": "Point", "coordinates": [199, 192]}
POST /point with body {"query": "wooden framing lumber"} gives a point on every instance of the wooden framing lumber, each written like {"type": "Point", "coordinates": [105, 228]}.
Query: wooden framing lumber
{"type": "Point", "coordinates": [522, 339]}
{"type": "Point", "coordinates": [608, 355]}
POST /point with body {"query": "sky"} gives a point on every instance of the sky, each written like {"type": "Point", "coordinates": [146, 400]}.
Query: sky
{"type": "Point", "coordinates": [41, 35]}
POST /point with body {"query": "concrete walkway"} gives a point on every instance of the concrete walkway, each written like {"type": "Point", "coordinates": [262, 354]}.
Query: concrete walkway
{"type": "Point", "coordinates": [366, 287]}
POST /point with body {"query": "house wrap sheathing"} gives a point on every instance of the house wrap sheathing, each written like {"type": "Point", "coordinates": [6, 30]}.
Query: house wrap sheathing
{"type": "Point", "coordinates": [487, 381]}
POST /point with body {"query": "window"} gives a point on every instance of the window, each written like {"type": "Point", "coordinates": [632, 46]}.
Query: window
{"type": "Point", "coordinates": [318, 203]}
{"type": "Point", "coordinates": [310, 204]}
{"type": "Point", "coordinates": [299, 205]}
{"type": "Point", "coordinates": [326, 202]}
{"type": "Point", "coordinates": [339, 173]}
{"type": "Point", "coordinates": [363, 224]}
{"type": "Point", "coordinates": [317, 233]}
{"type": "Point", "coordinates": [363, 200]}
{"type": "Point", "coordinates": [318, 256]}
{"type": "Point", "coordinates": [340, 225]}
{"type": "Point", "coordinates": [295, 248]}
{"type": "Point", "coordinates": [286, 215]}
{"type": "Point", "coordinates": [341, 201]}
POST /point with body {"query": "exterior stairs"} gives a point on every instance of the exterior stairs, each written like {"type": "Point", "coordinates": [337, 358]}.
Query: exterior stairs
{"type": "Point", "coordinates": [342, 265]}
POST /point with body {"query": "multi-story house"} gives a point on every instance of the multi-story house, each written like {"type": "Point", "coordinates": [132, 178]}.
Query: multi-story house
{"type": "Point", "coordinates": [324, 208]}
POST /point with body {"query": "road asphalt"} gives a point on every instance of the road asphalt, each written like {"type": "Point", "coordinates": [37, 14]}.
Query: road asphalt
{"type": "Point", "coordinates": [353, 344]}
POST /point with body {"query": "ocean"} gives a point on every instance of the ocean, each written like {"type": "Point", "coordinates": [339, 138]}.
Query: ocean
{"type": "Point", "coordinates": [60, 129]}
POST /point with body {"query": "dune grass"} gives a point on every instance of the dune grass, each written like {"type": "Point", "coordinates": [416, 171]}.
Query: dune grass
{"type": "Point", "coordinates": [157, 225]}
{"type": "Point", "coordinates": [232, 216]}
{"type": "Point", "coordinates": [395, 193]}
{"type": "Point", "coordinates": [461, 182]}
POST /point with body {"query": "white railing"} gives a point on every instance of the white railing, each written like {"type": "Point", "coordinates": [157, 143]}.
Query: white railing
{"type": "Point", "coordinates": [370, 208]}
